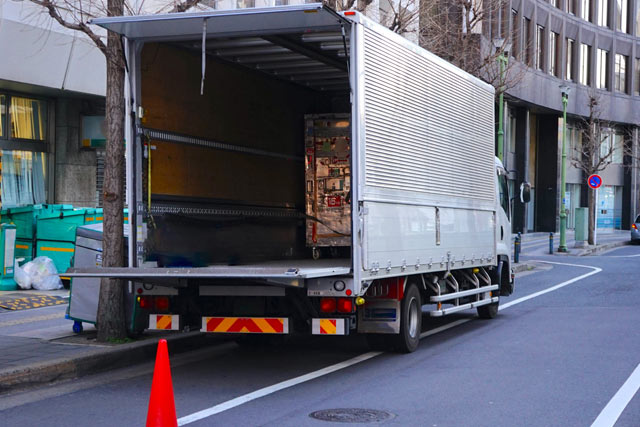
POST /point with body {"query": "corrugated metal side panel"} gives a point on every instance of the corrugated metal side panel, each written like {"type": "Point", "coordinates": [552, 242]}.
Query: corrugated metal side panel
{"type": "Point", "coordinates": [428, 130]}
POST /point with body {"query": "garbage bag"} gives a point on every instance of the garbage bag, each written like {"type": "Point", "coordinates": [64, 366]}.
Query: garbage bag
{"type": "Point", "coordinates": [21, 277]}
{"type": "Point", "coordinates": [49, 283]}
{"type": "Point", "coordinates": [40, 270]}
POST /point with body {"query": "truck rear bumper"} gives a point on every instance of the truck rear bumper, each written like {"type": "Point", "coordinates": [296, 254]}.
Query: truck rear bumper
{"type": "Point", "coordinates": [246, 325]}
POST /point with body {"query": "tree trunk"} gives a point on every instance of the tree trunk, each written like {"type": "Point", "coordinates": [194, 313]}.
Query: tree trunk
{"type": "Point", "coordinates": [111, 317]}
{"type": "Point", "coordinates": [592, 215]}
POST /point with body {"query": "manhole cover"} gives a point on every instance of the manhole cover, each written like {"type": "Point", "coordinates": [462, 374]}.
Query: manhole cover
{"type": "Point", "coordinates": [351, 415]}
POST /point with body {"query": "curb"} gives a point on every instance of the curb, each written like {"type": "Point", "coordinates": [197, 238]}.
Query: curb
{"type": "Point", "coordinates": [95, 360]}
{"type": "Point", "coordinates": [600, 248]}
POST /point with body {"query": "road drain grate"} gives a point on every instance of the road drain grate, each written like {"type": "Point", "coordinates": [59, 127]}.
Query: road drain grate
{"type": "Point", "coordinates": [351, 415]}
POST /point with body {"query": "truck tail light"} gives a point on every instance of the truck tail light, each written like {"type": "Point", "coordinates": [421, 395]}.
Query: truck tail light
{"type": "Point", "coordinates": [145, 302]}
{"type": "Point", "coordinates": [162, 303]}
{"type": "Point", "coordinates": [328, 305]}
{"type": "Point", "coordinates": [345, 305]}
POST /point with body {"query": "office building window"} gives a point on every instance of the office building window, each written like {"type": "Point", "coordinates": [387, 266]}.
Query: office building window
{"type": "Point", "coordinates": [515, 33]}
{"type": "Point", "coordinates": [526, 48]}
{"type": "Point", "coordinates": [282, 2]}
{"type": "Point", "coordinates": [244, 4]}
{"type": "Point", "coordinates": [570, 6]}
{"type": "Point", "coordinates": [3, 115]}
{"type": "Point", "coordinates": [637, 17]}
{"type": "Point", "coordinates": [620, 73]}
{"type": "Point", "coordinates": [553, 53]}
{"type": "Point", "coordinates": [603, 15]}
{"type": "Point", "coordinates": [28, 118]}
{"type": "Point", "coordinates": [569, 65]}
{"type": "Point", "coordinates": [585, 64]}
{"type": "Point", "coordinates": [553, 3]}
{"type": "Point", "coordinates": [585, 12]}
{"type": "Point", "coordinates": [636, 77]}
{"type": "Point", "coordinates": [602, 60]}
{"type": "Point", "coordinates": [539, 58]}
{"type": "Point", "coordinates": [618, 148]}
{"type": "Point", "coordinates": [622, 17]}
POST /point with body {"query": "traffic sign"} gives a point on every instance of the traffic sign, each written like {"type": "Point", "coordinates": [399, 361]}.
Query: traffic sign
{"type": "Point", "coordinates": [594, 181]}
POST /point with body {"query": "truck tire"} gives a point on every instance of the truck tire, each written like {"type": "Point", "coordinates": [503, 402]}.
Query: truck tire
{"type": "Point", "coordinates": [408, 339]}
{"type": "Point", "coordinates": [490, 311]}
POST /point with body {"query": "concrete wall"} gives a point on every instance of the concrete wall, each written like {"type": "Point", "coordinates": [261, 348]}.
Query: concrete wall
{"type": "Point", "coordinates": [75, 168]}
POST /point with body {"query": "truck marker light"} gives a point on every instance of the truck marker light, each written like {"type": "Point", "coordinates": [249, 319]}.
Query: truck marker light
{"type": "Point", "coordinates": [345, 305]}
{"type": "Point", "coordinates": [328, 305]}
{"type": "Point", "coordinates": [360, 301]}
{"type": "Point", "coordinates": [348, 292]}
{"type": "Point", "coordinates": [139, 290]}
{"type": "Point", "coordinates": [349, 13]}
{"type": "Point", "coordinates": [476, 270]}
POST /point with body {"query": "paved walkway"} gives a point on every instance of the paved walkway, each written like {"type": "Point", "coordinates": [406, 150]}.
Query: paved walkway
{"type": "Point", "coordinates": [38, 346]}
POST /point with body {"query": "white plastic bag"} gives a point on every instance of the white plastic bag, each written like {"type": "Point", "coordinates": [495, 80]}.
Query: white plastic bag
{"type": "Point", "coordinates": [49, 283]}
{"type": "Point", "coordinates": [43, 273]}
{"type": "Point", "coordinates": [21, 277]}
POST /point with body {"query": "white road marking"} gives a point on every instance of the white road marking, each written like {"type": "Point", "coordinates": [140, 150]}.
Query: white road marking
{"type": "Point", "coordinates": [619, 401]}
{"type": "Point", "coordinates": [240, 400]}
{"type": "Point", "coordinates": [596, 270]}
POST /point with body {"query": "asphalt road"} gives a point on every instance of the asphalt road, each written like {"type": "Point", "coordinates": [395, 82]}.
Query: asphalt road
{"type": "Point", "coordinates": [559, 353]}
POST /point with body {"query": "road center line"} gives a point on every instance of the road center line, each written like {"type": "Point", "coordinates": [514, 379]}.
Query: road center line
{"type": "Point", "coordinates": [240, 400]}
{"type": "Point", "coordinates": [619, 401]}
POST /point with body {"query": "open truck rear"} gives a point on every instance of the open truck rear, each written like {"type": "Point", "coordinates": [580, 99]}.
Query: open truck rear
{"type": "Point", "coordinates": [296, 170]}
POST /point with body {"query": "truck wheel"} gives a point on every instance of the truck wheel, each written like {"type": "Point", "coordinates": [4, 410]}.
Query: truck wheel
{"type": "Point", "coordinates": [410, 321]}
{"type": "Point", "coordinates": [488, 311]}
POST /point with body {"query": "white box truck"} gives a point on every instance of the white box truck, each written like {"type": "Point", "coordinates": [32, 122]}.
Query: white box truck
{"type": "Point", "coordinates": [297, 170]}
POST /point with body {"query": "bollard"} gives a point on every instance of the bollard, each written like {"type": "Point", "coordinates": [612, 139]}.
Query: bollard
{"type": "Point", "coordinates": [550, 243]}
{"type": "Point", "coordinates": [516, 249]}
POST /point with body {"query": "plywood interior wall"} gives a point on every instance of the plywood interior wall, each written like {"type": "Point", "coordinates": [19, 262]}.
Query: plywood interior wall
{"type": "Point", "coordinates": [238, 107]}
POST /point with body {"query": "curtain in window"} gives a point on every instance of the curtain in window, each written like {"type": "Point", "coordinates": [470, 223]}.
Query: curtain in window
{"type": "Point", "coordinates": [23, 176]}
{"type": "Point", "coordinates": [27, 120]}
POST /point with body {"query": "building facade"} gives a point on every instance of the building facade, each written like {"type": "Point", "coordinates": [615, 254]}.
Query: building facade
{"type": "Point", "coordinates": [592, 47]}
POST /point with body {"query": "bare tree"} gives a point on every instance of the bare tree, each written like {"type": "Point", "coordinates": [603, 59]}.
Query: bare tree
{"type": "Point", "coordinates": [74, 15]}
{"type": "Point", "coordinates": [459, 31]}
{"type": "Point", "coordinates": [599, 147]}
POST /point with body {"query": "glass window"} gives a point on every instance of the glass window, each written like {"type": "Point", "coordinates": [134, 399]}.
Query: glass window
{"type": "Point", "coordinates": [244, 4]}
{"type": "Point", "coordinates": [570, 6]}
{"type": "Point", "coordinates": [553, 51]}
{"type": "Point", "coordinates": [28, 118]}
{"type": "Point", "coordinates": [585, 64]}
{"type": "Point", "coordinates": [23, 178]}
{"type": "Point", "coordinates": [526, 49]}
{"type": "Point", "coordinates": [3, 115]}
{"type": "Point", "coordinates": [602, 59]}
{"type": "Point", "coordinates": [605, 144]}
{"type": "Point", "coordinates": [569, 65]}
{"type": "Point", "coordinates": [620, 76]}
{"type": "Point", "coordinates": [539, 47]}
{"type": "Point", "coordinates": [622, 17]}
{"type": "Point", "coordinates": [636, 76]}
{"type": "Point", "coordinates": [603, 16]}
{"type": "Point", "coordinates": [512, 131]}
{"type": "Point", "coordinates": [553, 3]}
{"type": "Point", "coordinates": [515, 45]}
{"type": "Point", "coordinates": [618, 148]}
{"type": "Point", "coordinates": [504, 193]}
{"type": "Point", "coordinates": [282, 2]}
{"type": "Point", "coordinates": [585, 10]}
{"type": "Point", "coordinates": [637, 17]}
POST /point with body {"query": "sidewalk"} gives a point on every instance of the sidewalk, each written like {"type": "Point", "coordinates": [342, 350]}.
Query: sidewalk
{"type": "Point", "coordinates": [38, 346]}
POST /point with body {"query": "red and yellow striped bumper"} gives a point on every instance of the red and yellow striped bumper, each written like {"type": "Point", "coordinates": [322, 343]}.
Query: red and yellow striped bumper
{"type": "Point", "coordinates": [328, 327]}
{"type": "Point", "coordinates": [246, 325]}
{"type": "Point", "coordinates": [164, 322]}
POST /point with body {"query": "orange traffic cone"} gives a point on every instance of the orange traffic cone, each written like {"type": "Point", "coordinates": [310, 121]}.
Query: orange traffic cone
{"type": "Point", "coordinates": [162, 408]}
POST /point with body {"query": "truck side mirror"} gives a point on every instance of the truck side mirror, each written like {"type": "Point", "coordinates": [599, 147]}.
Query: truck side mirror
{"type": "Point", "coordinates": [525, 192]}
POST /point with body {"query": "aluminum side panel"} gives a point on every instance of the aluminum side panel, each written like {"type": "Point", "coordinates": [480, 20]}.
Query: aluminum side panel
{"type": "Point", "coordinates": [428, 129]}
{"type": "Point", "coordinates": [403, 239]}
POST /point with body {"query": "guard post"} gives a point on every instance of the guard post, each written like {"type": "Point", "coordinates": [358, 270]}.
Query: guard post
{"type": "Point", "coordinates": [516, 249]}
{"type": "Point", "coordinates": [550, 243]}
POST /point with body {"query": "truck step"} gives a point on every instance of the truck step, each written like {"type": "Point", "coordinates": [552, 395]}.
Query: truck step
{"type": "Point", "coordinates": [246, 325]}
{"type": "Point", "coordinates": [454, 295]}
{"type": "Point", "coordinates": [454, 309]}
{"type": "Point", "coordinates": [329, 327]}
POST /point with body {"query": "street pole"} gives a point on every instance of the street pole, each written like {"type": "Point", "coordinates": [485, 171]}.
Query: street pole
{"type": "Point", "coordinates": [502, 61]}
{"type": "Point", "coordinates": [563, 212]}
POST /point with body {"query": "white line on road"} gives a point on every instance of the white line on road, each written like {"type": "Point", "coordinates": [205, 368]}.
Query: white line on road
{"type": "Point", "coordinates": [616, 405]}
{"type": "Point", "coordinates": [205, 413]}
